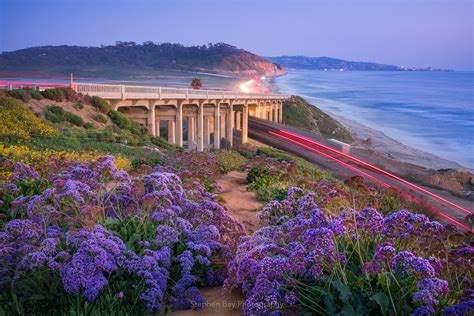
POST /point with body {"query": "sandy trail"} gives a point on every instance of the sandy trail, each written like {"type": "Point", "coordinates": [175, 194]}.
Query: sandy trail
{"type": "Point", "coordinates": [242, 205]}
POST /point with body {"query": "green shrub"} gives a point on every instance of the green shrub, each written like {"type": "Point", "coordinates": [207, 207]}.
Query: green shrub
{"type": "Point", "coordinates": [147, 161]}
{"type": "Point", "coordinates": [74, 119]}
{"type": "Point", "coordinates": [53, 118]}
{"type": "Point", "coordinates": [100, 104]}
{"type": "Point", "coordinates": [275, 153]}
{"type": "Point", "coordinates": [160, 142]}
{"type": "Point", "coordinates": [70, 94]}
{"type": "Point", "coordinates": [230, 161]}
{"type": "Point", "coordinates": [124, 122]}
{"type": "Point", "coordinates": [55, 94]}
{"type": "Point", "coordinates": [20, 94]}
{"type": "Point", "coordinates": [99, 118]}
{"type": "Point", "coordinates": [78, 106]}
{"type": "Point", "coordinates": [255, 172]}
{"type": "Point", "coordinates": [266, 194]}
{"type": "Point", "coordinates": [88, 125]}
{"type": "Point", "coordinates": [57, 114]}
{"type": "Point", "coordinates": [36, 95]}
{"type": "Point", "coordinates": [56, 110]}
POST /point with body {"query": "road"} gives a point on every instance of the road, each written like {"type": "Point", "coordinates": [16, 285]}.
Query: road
{"type": "Point", "coordinates": [328, 155]}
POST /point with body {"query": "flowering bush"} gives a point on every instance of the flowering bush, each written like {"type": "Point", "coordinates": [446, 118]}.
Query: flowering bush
{"type": "Point", "coordinates": [356, 262]}
{"type": "Point", "coordinates": [95, 240]}
{"type": "Point", "coordinates": [193, 167]}
{"type": "Point", "coordinates": [46, 160]}
{"type": "Point", "coordinates": [18, 121]}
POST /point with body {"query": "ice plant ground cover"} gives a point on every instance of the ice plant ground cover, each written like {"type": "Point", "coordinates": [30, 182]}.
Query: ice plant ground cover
{"type": "Point", "coordinates": [88, 238]}
{"type": "Point", "coordinates": [357, 262]}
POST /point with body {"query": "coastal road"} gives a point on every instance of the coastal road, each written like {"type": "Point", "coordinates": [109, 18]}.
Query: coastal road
{"type": "Point", "coordinates": [329, 155]}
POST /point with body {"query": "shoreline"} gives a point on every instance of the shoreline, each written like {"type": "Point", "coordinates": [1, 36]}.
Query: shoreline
{"type": "Point", "coordinates": [385, 145]}
{"type": "Point", "coordinates": [392, 148]}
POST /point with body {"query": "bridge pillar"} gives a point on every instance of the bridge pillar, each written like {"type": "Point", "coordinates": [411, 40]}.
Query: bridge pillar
{"type": "Point", "coordinates": [207, 134]}
{"type": "Point", "coordinates": [223, 127]}
{"type": "Point", "coordinates": [238, 122]}
{"type": "Point", "coordinates": [280, 112]}
{"type": "Point", "coordinates": [151, 120]}
{"type": "Point", "coordinates": [191, 133]}
{"type": "Point", "coordinates": [217, 130]}
{"type": "Point", "coordinates": [200, 125]}
{"type": "Point", "coordinates": [229, 125]}
{"type": "Point", "coordinates": [171, 132]}
{"type": "Point", "coordinates": [179, 124]}
{"type": "Point", "coordinates": [245, 125]}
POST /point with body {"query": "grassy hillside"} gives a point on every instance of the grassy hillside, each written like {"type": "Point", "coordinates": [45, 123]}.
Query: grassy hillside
{"type": "Point", "coordinates": [299, 113]}
{"type": "Point", "coordinates": [63, 124]}
{"type": "Point", "coordinates": [129, 58]}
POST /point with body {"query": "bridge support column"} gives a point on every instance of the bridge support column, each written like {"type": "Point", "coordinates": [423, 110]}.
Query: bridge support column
{"type": "Point", "coordinates": [245, 125]}
{"type": "Point", "coordinates": [207, 134]}
{"type": "Point", "coordinates": [238, 122]}
{"type": "Point", "coordinates": [217, 130]}
{"type": "Point", "coordinates": [157, 128]}
{"type": "Point", "coordinates": [280, 112]}
{"type": "Point", "coordinates": [191, 133]}
{"type": "Point", "coordinates": [229, 125]}
{"type": "Point", "coordinates": [179, 124]}
{"type": "Point", "coordinates": [151, 120]}
{"type": "Point", "coordinates": [200, 125]}
{"type": "Point", "coordinates": [171, 132]}
{"type": "Point", "coordinates": [223, 127]}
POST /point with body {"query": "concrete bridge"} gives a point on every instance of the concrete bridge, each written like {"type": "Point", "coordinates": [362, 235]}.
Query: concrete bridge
{"type": "Point", "coordinates": [195, 119]}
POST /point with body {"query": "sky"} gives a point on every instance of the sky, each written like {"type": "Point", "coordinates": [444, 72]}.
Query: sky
{"type": "Point", "coordinates": [414, 33]}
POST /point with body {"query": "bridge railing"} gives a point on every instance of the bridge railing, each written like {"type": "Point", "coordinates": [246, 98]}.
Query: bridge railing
{"type": "Point", "coordinates": [147, 92]}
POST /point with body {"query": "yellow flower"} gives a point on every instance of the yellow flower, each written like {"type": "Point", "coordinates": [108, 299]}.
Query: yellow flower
{"type": "Point", "coordinates": [18, 120]}
{"type": "Point", "coordinates": [39, 158]}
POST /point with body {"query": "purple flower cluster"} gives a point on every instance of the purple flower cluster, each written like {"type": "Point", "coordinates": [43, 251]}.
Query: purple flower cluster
{"type": "Point", "coordinates": [304, 243]}
{"type": "Point", "coordinates": [186, 231]}
{"type": "Point", "coordinates": [430, 290]}
{"type": "Point", "coordinates": [95, 253]}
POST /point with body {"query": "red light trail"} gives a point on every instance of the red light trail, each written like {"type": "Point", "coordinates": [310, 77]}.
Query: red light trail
{"type": "Point", "coordinates": [459, 224]}
{"type": "Point", "coordinates": [373, 168]}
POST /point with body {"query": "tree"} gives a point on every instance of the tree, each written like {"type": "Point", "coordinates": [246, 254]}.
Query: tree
{"type": "Point", "coordinates": [196, 83]}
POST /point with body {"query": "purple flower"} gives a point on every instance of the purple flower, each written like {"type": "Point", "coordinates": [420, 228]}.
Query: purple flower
{"type": "Point", "coordinates": [462, 309]}
{"type": "Point", "coordinates": [166, 236]}
{"type": "Point", "coordinates": [430, 290]}
{"type": "Point", "coordinates": [413, 265]}
{"type": "Point", "coordinates": [423, 311]}
{"type": "Point", "coordinates": [95, 258]}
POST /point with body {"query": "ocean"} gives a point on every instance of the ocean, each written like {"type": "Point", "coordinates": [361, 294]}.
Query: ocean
{"type": "Point", "coordinates": [430, 111]}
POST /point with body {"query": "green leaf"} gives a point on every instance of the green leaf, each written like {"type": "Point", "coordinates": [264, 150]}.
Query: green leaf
{"type": "Point", "coordinates": [344, 292]}
{"type": "Point", "coordinates": [329, 305]}
{"type": "Point", "coordinates": [110, 221]}
{"type": "Point", "coordinates": [382, 299]}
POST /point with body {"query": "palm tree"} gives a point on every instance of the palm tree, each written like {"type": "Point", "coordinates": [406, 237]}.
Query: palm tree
{"type": "Point", "coordinates": [196, 83]}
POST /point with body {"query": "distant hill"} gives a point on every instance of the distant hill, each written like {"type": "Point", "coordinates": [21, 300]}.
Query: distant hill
{"type": "Point", "coordinates": [129, 58]}
{"type": "Point", "coordinates": [328, 63]}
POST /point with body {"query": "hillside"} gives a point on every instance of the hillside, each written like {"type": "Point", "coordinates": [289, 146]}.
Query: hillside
{"type": "Point", "coordinates": [129, 59]}
{"type": "Point", "coordinates": [299, 113]}
{"type": "Point", "coordinates": [328, 63]}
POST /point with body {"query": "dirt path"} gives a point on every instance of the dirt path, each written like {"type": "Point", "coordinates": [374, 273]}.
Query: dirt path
{"type": "Point", "coordinates": [242, 205]}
